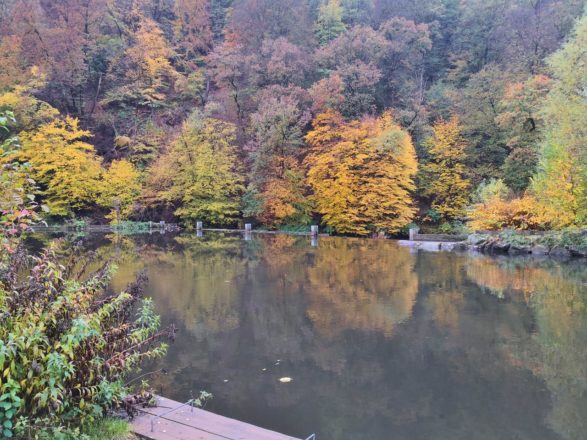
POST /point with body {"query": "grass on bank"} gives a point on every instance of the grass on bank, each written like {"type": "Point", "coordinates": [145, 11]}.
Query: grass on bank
{"type": "Point", "coordinates": [109, 429]}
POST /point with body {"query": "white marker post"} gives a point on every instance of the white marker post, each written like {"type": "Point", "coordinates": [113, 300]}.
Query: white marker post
{"type": "Point", "coordinates": [413, 232]}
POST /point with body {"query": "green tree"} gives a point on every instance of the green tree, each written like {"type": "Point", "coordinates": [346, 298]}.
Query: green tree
{"type": "Point", "coordinates": [561, 182]}
{"type": "Point", "coordinates": [356, 11]}
{"type": "Point", "coordinates": [329, 24]}
{"type": "Point", "coordinates": [522, 123]}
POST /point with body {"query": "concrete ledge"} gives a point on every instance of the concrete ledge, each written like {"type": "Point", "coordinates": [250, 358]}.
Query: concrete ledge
{"type": "Point", "coordinates": [434, 246]}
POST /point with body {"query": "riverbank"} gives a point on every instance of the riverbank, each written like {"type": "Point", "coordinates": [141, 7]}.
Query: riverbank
{"type": "Point", "coordinates": [563, 244]}
{"type": "Point", "coordinates": [559, 244]}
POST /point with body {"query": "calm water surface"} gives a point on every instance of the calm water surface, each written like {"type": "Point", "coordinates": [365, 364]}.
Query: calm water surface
{"type": "Point", "coordinates": [380, 343]}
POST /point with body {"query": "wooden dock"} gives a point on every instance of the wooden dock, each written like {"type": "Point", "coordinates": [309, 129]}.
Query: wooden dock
{"type": "Point", "coordinates": [187, 423]}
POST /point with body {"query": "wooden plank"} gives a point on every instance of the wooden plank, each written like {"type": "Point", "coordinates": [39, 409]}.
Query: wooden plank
{"type": "Point", "coordinates": [193, 423]}
{"type": "Point", "coordinates": [168, 430]}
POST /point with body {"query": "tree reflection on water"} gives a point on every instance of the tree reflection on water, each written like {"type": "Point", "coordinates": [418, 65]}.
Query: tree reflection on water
{"type": "Point", "coordinates": [380, 342]}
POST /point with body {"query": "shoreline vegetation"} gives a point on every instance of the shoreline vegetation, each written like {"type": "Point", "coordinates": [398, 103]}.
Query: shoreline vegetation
{"type": "Point", "coordinates": [67, 342]}
{"type": "Point", "coordinates": [560, 244]}
{"type": "Point", "coordinates": [362, 116]}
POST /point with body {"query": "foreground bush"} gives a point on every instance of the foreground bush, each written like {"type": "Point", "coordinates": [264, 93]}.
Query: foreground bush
{"type": "Point", "coordinates": [65, 346]}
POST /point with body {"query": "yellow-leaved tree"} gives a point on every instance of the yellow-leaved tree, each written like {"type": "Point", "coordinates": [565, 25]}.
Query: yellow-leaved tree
{"type": "Point", "coordinates": [447, 186]}
{"type": "Point", "coordinates": [361, 173]}
{"type": "Point", "coordinates": [143, 72]}
{"type": "Point", "coordinates": [65, 167]}
{"type": "Point", "coordinates": [198, 176]}
{"type": "Point", "coordinates": [561, 182]}
{"type": "Point", "coordinates": [28, 111]}
{"type": "Point", "coordinates": [120, 189]}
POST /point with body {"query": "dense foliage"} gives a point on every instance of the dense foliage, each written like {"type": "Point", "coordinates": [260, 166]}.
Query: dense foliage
{"type": "Point", "coordinates": [361, 173]}
{"type": "Point", "coordinates": [206, 108]}
{"type": "Point", "coordinates": [64, 346]}
{"type": "Point", "coordinates": [66, 343]}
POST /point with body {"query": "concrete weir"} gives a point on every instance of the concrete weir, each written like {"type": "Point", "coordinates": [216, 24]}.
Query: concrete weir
{"type": "Point", "coordinates": [171, 420]}
{"type": "Point", "coordinates": [433, 246]}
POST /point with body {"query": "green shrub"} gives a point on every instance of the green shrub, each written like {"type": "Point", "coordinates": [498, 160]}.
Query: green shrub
{"type": "Point", "coordinates": [515, 239]}
{"type": "Point", "coordinates": [131, 227]}
{"type": "Point", "coordinates": [294, 228]}
{"type": "Point", "coordinates": [454, 227]}
{"type": "Point", "coordinates": [573, 238]}
{"type": "Point", "coordinates": [64, 346]}
{"type": "Point", "coordinates": [108, 429]}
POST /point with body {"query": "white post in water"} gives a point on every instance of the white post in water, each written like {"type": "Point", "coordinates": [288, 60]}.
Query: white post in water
{"type": "Point", "coordinates": [314, 230]}
{"type": "Point", "coordinates": [413, 232]}
{"type": "Point", "coordinates": [199, 226]}
{"type": "Point", "coordinates": [248, 232]}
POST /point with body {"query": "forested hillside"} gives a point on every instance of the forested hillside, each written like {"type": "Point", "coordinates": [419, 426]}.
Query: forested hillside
{"type": "Point", "coordinates": [364, 115]}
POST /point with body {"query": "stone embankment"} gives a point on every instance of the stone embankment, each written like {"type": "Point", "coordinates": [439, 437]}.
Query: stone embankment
{"type": "Point", "coordinates": [565, 244]}
{"type": "Point", "coordinates": [541, 245]}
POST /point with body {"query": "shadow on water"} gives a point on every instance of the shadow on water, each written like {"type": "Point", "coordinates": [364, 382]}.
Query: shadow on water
{"type": "Point", "coordinates": [380, 343]}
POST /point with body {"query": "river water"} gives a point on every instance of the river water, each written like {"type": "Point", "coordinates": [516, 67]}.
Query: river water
{"type": "Point", "coordinates": [379, 342]}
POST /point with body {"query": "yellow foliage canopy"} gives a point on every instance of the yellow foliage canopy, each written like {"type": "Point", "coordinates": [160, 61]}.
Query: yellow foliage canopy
{"type": "Point", "coordinates": [448, 187]}
{"type": "Point", "coordinates": [361, 173]}
{"type": "Point", "coordinates": [66, 168]}
{"type": "Point", "coordinates": [558, 186]}
{"type": "Point", "coordinates": [561, 181]}
{"type": "Point", "coordinates": [498, 213]}
{"type": "Point", "coordinates": [120, 189]}
{"type": "Point", "coordinates": [198, 175]}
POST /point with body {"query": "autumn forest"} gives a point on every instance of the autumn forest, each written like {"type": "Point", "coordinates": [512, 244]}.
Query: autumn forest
{"type": "Point", "coordinates": [362, 115]}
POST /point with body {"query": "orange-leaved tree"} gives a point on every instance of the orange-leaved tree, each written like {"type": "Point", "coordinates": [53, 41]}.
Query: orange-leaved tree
{"type": "Point", "coordinates": [361, 173]}
{"type": "Point", "coordinates": [497, 209]}
{"type": "Point", "coordinates": [283, 200]}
